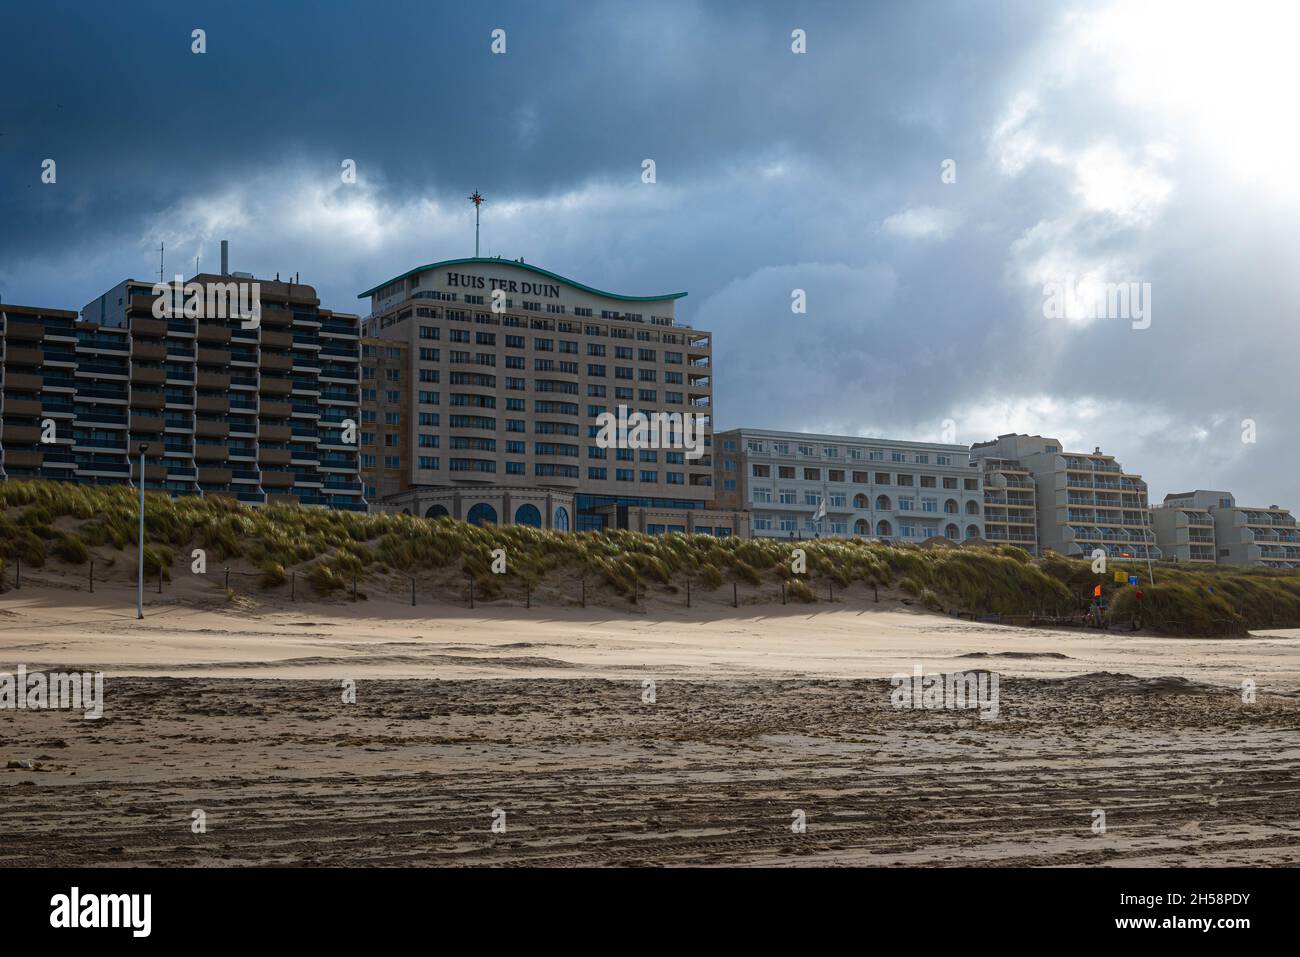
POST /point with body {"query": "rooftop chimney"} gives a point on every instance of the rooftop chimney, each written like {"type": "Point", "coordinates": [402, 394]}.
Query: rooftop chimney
{"type": "Point", "coordinates": [225, 257]}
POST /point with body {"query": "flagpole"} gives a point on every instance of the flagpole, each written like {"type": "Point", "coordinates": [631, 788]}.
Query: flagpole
{"type": "Point", "coordinates": [477, 199]}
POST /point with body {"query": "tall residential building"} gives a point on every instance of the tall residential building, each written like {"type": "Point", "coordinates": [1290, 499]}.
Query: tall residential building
{"type": "Point", "coordinates": [1086, 500]}
{"type": "Point", "coordinates": [873, 488]}
{"type": "Point", "coordinates": [1242, 534]}
{"type": "Point", "coordinates": [1184, 529]}
{"type": "Point", "coordinates": [38, 377]}
{"type": "Point", "coordinates": [1010, 503]}
{"type": "Point", "coordinates": [254, 413]}
{"type": "Point", "coordinates": [503, 372]}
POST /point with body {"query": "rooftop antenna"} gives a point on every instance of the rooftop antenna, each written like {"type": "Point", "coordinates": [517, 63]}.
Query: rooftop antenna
{"type": "Point", "coordinates": [161, 262]}
{"type": "Point", "coordinates": [477, 200]}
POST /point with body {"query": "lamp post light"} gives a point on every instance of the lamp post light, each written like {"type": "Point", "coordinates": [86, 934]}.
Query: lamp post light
{"type": "Point", "coordinates": [139, 594]}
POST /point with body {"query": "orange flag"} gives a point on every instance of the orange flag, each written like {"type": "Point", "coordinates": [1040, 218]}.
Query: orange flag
{"type": "Point", "coordinates": [1097, 591]}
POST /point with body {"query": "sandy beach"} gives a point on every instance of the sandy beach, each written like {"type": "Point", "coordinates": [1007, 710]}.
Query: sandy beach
{"type": "Point", "coordinates": [653, 737]}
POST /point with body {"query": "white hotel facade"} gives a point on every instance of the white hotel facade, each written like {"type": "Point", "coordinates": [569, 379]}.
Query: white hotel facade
{"type": "Point", "coordinates": [873, 488]}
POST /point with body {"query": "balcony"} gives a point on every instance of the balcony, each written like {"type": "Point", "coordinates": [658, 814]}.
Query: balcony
{"type": "Point", "coordinates": [277, 362]}
{"type": "Point", "coordinates": [275, 410]}
{"type": "Point", "coordinates": [149, 328]}
{"type": "Point", "coordinates": [273, 339]}
{"type": "Point", "coordinates": [212, 404]}
{"type": "Point", "coordinates": [21, 330]}
{"type": "Point", "coordinates": [145, 375]}
{"type": "Point", "coordinates": [24, 382]}
{"type": "Point", "coordinates": [212, 381]}
{"type": "Point", "coordinates": [278, 479]}
{"type": "Point", "coordinates": [17, 459]}
{"type": "Point", "coordinates": [211, 430]}
{"type": "Point", "coordinates": [21, 434]}
{"type": "Point", "coordinates": [274, 456]}
{"type": "Point", "coordinates": [212, 333]}
{"type": "Point", "coordinates": [147, 423]}
{"type": "Point", "coordinates": [210, 453]}
{"type": "Point", "coordinates": [271, 386]}
{"type": "Point", "coordinates": [214, 476]}
{"type": "Point", "coordinates": [147, 400]}
{"type": "Point", "coordinates": [275, 433]}
{"type": "Point", "coordinates": [212, 357]}
{"type": "Point", "coordinates": [148, 350]}
{"type": "Point", "coordinates": [276, 317]}
{"type": "Point", "coordinates": [23, 407]}
{"type": "Point", "coordinates": [23, 356]}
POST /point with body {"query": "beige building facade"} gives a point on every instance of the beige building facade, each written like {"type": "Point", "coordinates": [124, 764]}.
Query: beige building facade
{"type": "Point", "coordinates": [1086, 500]}
{"type": "Point", "coordinates": [886, 489]}
{"type": "Point", "coordinates": [489, 373]}
{"type": "Point", "coordinates": [1242, 534]}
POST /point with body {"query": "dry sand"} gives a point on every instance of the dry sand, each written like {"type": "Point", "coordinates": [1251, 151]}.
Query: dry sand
{"type": "Point", "coordinates": [759, 713]}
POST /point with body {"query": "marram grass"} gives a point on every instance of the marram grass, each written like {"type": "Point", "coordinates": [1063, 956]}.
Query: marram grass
{"type": "Point", "coordinates": [44, 522]}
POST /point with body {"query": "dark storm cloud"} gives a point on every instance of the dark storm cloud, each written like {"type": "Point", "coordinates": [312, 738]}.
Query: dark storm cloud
{"type": "Point", "coordinates": [775, 172]}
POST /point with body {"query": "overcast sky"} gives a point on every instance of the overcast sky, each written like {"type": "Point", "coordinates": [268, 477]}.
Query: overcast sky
{"type": "Point", "coordinates": [1127, 142]}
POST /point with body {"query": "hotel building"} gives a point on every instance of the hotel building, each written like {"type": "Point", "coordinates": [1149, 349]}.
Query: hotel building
{"type": "Point", "coordinates": [1085, 500]}
{"type": "Point", "coordinates": [1242, 535]}
{"type": "Point", "coordinates": [483, 381]}
{"type": "Point", "coordinates": [253, 413]}
{"type": "Point", "coordinates": [873, 488]}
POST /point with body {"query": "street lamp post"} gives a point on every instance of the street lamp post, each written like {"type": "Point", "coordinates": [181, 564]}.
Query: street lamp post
{"type": "Point", "coordinates": [139, 594]}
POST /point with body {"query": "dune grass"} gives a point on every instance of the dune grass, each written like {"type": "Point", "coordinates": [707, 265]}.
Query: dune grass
{"type": "Point", "coordinates": [43, 521]}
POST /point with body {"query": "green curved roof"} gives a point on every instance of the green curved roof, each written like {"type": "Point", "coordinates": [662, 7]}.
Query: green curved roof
{"type": "Point", "coordinates": [493, 260]}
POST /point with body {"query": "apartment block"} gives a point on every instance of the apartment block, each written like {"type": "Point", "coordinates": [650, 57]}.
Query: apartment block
{"type": "Point", "coordinates": [1010, 503]}
{"type": "Point", "coordinates": [1086, 500]}
{"type": "Point", "coordinates": [873, 488]}
{"type": "Point", "coordinates": [256, 411]}
{"type": "Point", "coordinates": [1242, 534]}
{"type": "Point", "coordinates": [38, 386]}
{"type": "Point", "coordinates": [486, 378]}
{"type": "Point", "coordinates": [1184, 529]}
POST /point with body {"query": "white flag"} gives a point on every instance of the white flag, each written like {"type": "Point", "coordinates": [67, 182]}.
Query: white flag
{"type": "Point", "coordinates": [821, 510]}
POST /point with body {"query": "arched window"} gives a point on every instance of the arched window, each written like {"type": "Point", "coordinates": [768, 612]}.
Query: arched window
{"type": "Point", "coordinates": [860, 527]}
{"type": "Point", "coordinates": [882, 504]}
{"type": "Point", "coordinates": [951, 532]}
{"type": "Point", "coordinates": [884, 529]}
{"type": "Point", "coordinates": [527, 514]}
{"type": "Point", "coordinates": [860, 501]}
{"type": "Point", "coordinates": [950, 507]}
{"type": "Point", "coordinates": [561, 519]}
{"type": "Point", "coordinates": [435, 511]}
{"type": "Point", "coordinates": [482, 514]}
{"type": "Point", "coordinates": [972, 531]}
{"type": "Point", "coordinates": [972, 507]}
